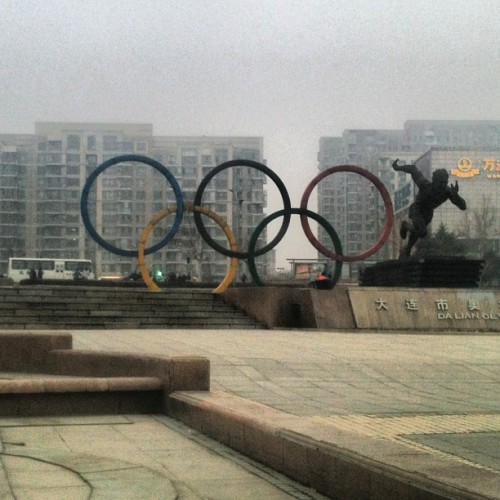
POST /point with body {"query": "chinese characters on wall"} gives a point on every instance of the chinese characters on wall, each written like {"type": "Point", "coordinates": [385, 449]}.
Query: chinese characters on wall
{"type": "Point", "coordinates": [472, 309]}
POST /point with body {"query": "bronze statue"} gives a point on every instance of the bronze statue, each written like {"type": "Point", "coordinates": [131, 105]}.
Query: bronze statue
{"type": "Point", "coordinates": [430, 196]}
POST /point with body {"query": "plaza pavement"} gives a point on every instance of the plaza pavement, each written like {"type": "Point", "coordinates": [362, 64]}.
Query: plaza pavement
{"type": "Point", "coordinates": [437, 393]}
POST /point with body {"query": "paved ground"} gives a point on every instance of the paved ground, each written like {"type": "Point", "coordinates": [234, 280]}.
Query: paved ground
{"type": "Point", "coordinates": [437, 392]}
{"type": "Point", "coordinates": [128, 457]}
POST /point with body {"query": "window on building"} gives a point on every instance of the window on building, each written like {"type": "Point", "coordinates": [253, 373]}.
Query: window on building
{"type": "Point", "coordinates": [189, 171]}
{"type": "Point", "coordinates": [72, 207]}
{"type": "Point", "coordinates": [220, 184]}
{"type": "Point", "coordinates": [73, 142]}
{"type": "Point", "coordinates": [72, 194]}
{"type": "Point", "coordinates": [109, 142]}
{"type": "Point", "coordinates": [127, 147]}
{"type": "Point", "coordinates": [109, 231]}
{"type": "Point", "coordinates": [109, 195]}
{"type": "Point", "coordinates": [53, 158]}
{"type": "Point", "coordinates": [73, 170]}
{"type": "Point", "coordinates": [55, 145]}
{"type": "Point", "coordinates": [221, 155]}
{"type": "Point", "coordinates": [91, 160]}
{"type": "Point", "coordinates": [53, 170]}
{"type": "Point", "coordinates": [125, 195]}
{"type": "Point", "coordinates": [189, 157]}
{"type": "Point", "coordinates": [72, 219]}
{"type": "Point", "coordinates": [72, 158]}
{"type": "Point", "coordinates": [246, 154]}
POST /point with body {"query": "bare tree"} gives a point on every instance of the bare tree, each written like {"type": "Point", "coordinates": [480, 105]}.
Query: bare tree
{"type": "Point", "coordinates": [484, 224]}
{"type": "Point", "coordinates": [464, 229]}
{"type": "Point", "coordinates": [193, 246]}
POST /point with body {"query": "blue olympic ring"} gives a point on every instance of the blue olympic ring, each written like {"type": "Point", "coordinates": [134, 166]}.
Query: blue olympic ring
{"type": "Point", "coordinates": [141, 159]}
{"type": "Point", "coordinates": [303, 212]}
{"type": "Point", "coordinates": [284, 195]}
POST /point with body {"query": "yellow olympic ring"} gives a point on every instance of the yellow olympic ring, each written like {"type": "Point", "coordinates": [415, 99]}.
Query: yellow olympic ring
{"type": "Point", "coordinates": [188, 207]}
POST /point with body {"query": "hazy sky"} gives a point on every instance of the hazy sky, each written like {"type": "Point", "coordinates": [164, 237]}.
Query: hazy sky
{"type": "Point", "coordinates": [290, 71]}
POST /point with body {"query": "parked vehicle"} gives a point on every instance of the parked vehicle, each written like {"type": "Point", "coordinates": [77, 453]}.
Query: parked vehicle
{"type": "Point", "coordinates": [21, 268]}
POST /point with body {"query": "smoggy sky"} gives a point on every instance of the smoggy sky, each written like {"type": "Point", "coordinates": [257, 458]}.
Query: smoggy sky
{"type": "Point", "coordinates": [289, 71]}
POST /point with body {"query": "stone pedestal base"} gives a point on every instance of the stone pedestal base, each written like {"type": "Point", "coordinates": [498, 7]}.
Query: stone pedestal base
{"type": "Point", "coordinates": [444, 272]}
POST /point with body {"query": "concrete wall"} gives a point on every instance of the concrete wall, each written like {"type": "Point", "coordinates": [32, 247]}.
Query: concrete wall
{"type": "Point", "coordinates": [29, 352]}
{"type": "Point", "coordinates": [372, 308]}
{"type": "Point", "coordinates": [426, 309]}
{"type": "Point", "coordinates": [281, 307]}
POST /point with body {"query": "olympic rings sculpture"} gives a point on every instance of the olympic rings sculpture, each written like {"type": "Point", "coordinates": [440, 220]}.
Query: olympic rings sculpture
{"type": "Point", "coordinates": [233, 252]}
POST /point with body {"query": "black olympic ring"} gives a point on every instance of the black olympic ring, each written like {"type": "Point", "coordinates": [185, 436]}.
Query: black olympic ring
{"type": "Point", "coordinates": [303, 212]}
{"type": "Point", "coordinates": [284, 195]}
{"type": "Point", "coordinates": [141, 159]}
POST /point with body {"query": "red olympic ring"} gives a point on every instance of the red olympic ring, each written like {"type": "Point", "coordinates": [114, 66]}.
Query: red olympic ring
{"type": "Point", "coordinates": [388, 220]}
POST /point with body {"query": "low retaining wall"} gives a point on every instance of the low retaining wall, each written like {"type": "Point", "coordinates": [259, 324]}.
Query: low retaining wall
{"type": "Point", "coordinates": [372, 308]}
{"type": "Point", "coordinates": [91, 382]}
{"type": "Point", "coordinates": [336, 463]}
{"type": "Point", "coordinates": [188, 373]}
{"type": "Point", "coordinates": [28, 352]}
{"type": "Point", "coordinates": [282, 307]}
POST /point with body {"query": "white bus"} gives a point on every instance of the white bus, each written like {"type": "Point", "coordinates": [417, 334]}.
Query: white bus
{"type": "Point", "coordinates": [21, 268]}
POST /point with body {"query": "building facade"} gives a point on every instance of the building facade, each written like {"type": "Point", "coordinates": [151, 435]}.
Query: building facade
{"type": "Point", "coordinates": [477, 172]}
{"type": "Point", "coordinates": [42, 176]}
{"type": "Point", "coordinates": [352, 204]}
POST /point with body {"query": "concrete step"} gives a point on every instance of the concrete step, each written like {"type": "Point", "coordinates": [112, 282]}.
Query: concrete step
{"type": "Point", "coordinates": [82, 395]}
{"type": "Point", "coordinates": [85, 307]}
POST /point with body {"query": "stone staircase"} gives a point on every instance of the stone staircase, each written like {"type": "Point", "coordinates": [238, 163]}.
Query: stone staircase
{"type": "Point", "coordinates": [45, 307]}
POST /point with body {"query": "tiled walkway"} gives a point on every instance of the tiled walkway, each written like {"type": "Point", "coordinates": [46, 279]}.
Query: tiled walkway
{"type": "Point", "coordinates": [439, 393]}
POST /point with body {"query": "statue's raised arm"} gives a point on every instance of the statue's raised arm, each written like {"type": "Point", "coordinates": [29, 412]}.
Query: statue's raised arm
{"type": "Point", "coordinates": [455, 198]}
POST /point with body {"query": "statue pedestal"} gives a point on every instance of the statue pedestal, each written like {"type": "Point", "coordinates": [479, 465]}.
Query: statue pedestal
{"type": "Point", "coordinates": [435, 272]}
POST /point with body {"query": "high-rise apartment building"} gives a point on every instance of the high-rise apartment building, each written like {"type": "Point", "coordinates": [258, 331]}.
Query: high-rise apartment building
{"type": "Point", "coordinates": [352, 204]}
{"type": "Point", "coordinates": [17, 187]}
{"type": "Point", "coordinates": [42, 176]}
